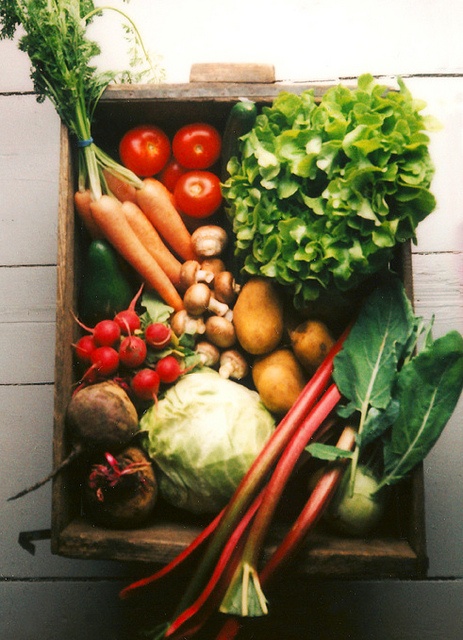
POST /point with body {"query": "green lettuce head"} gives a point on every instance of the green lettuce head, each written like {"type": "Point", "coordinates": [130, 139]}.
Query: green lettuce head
{"type": "Point", "coordinates": [323, 192]}
{"type": "Point", "coordinates": [203, 436]}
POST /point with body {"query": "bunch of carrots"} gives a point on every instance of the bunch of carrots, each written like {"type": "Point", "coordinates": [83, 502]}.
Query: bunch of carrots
{"type": "Point", "coordinates": [143, 225]}
{"type": "Point", "coordinates": [111, 199]}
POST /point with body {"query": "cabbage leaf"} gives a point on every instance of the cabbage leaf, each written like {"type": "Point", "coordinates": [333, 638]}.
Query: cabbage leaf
{"type": "Point", "coordinates": [203, 434]}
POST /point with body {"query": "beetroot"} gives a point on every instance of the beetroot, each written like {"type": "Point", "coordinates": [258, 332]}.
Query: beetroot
{"type": "Point", "coordinates": [100, 417]}
{"type": "Point", "coordinates": [121, 491]}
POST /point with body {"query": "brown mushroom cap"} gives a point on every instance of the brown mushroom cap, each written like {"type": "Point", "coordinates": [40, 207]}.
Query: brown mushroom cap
{"type": "Point", "coordinates": [220, 332]}
{"type": "Point", "coordinates": [225, 287]}
{"type": "Point", "coordinates": [183, 322]}
{"type": "Point", "coordinates": [191, 272]}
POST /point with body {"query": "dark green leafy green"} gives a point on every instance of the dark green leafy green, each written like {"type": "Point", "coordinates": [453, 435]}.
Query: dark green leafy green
{"type": "Point", "coordinates": [327, 452]}
{"type": "Point", "coordinates": [365, 368]}
{"type": "Point", "coordinates": [428, 389]}
{"type": "Point", "coordinates": [401, 399]}
{"type": "Point", "coordinates": [322, 193]}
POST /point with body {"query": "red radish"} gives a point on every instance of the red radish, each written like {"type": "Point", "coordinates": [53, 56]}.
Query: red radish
{"type": "Point", "coordinates": [145, 384]}
{"type": "Point", "coordinates": [158, 335]}
{"type": "Point", "coordinates": [105, 362]}
{"type": "Point", "coordinates": [128, 320]}
{"type": "Point", "coordinates": [84, 348]}
{"type": "Point", "coordinates": [105, 333]}
{"type": "Point", "coordinates": [169, 369]}
{"type": "Point", "coordinates": [132, 351]}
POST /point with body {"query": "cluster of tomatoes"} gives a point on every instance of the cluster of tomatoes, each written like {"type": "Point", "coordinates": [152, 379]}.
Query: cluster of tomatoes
{"type": "Point", "coordinates": [183, 165]}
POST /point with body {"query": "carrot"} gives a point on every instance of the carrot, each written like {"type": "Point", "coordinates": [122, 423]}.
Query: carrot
{"type": "Point", "coordinates": [152, 241]}
{"type": "Point", "coordinates": [155, 201]}
{"type": "Point", "coordinates": [109, 215]}
{"type": "Point", "coordinates": [121, 189]}
{"type": "Point", "coordinates": [82, 200]}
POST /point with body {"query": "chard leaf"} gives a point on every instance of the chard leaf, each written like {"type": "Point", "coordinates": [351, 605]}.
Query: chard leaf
{"type": "Point", "coordinates": [327, 452]}
{"type": "Point", "coordinates": [377, 422]}
{"type": "Point", "coordinates": [428, 389]}
{"type": "Point", "coordinates": [365, 369]}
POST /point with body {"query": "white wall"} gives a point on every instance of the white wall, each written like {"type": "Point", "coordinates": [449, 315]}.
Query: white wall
{"type": "Point", "coordinates": [48, 597]}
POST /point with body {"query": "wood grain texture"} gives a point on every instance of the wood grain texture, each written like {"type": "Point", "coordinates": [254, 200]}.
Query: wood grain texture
{"type": "Point", "coordinates": [228, 72]}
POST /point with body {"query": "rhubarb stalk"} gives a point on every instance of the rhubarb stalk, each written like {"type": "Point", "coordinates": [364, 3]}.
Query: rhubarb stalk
{"type": "Point", "coordinates": [245, 596]}
{"type": "Point", "coordinates": [197, 600]}
{"type": "Point", "coordinates": [314, 508]}
{"type": "Point", "coordinates": [256, 476]}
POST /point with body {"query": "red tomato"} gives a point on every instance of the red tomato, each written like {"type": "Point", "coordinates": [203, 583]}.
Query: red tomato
{"type": "Point", "coordinates": [198, 194]}
{"type": "Point", "coordinates": [197, 146]}
{"type": "Point", "coordinates": [171, 173]}
{"type": "Point", "coordinates": [145, 150]}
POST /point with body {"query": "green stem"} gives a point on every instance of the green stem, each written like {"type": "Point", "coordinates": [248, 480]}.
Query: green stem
{"type": "Point", "coordinates": [90, 15]}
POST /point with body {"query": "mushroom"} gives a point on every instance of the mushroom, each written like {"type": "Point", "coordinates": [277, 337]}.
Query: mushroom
{"type": "Point", "coordinates": [213, 265]}
{"type": "Point", "coordinates": [226, 288]}
{"type": "Point", "coordinates": [198, 299]}
{"type": "Point", "coordinates": [233, 365]}
{"type": "Point", "coordinates": [208, 353]}
{"type": "Point", "coordinates": [182, 322]}
{"type": "Point", "coordinates": [209, 240]}
{"type": "Point", "coordinates": [220, 332]}
{"type": "Point", "coordinates": [191, 272]}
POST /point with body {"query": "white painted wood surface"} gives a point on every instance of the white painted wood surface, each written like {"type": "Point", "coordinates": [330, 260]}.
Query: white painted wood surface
{"type": "Point", "coordinates": [48, 597]}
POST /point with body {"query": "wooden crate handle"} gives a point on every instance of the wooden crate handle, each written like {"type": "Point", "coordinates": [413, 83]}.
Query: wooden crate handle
{"type": "Point", "coordinates": [232, 72]}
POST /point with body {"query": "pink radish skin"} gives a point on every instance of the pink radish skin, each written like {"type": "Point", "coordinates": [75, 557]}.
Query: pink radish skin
{"type": "Point", "coordinates": [132, 351]}
{"type": "Point", "coordinates": [128, 320]}
{"type": "Point", "coordinates": [145, 384]}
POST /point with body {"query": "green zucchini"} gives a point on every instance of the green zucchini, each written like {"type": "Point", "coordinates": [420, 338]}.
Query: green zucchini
{"type": "Point", "coordinates": [240, 120]}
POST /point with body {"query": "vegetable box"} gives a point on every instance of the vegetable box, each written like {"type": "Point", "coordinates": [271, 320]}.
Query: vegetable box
{"type": "Point", "coordinates": [396, 551]}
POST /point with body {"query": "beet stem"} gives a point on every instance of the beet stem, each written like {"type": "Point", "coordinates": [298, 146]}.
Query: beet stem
{"type": "Point", "coordinates": [75, 453]}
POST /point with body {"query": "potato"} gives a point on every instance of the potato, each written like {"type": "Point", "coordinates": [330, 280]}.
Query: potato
{"type": "Point", "coordinates": [311, 341]}
{"type": "Point", "coordinates": [258, 317]}
{"type": "Point", "coordinates": [279, 379]}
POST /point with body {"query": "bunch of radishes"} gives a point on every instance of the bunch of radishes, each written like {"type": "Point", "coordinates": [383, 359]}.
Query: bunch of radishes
{"type": "Point", "coordinates": [142, 356]}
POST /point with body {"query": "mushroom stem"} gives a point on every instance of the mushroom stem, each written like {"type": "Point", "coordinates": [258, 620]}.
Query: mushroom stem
{"type": "Point", "coordinates": [208, 353]}
{"type": "Point", "coordinates": [233, 365]}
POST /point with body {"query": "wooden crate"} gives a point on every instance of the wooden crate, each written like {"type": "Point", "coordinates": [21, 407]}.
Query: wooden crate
{"type": "Point", "coordinates": [398, 551]}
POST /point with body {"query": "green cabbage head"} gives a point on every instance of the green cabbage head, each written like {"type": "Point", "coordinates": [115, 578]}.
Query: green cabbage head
{"type": "Point", "coordinates": [203, 436]}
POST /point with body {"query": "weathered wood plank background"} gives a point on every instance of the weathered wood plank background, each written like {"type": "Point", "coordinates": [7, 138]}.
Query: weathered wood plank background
{"type": "Point", "coordinates": [48, 597]}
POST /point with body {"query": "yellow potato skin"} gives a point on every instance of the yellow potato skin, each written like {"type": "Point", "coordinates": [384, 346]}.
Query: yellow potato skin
{"type": "Point", "coordinates": [279, 379]}
{"type": "Point", "coordinates": [311, 341]}
{"type": "Point", "coordinates": [258, 317]}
